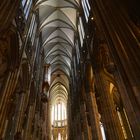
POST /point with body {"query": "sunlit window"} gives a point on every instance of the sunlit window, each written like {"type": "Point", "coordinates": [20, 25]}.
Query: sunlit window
{"type": "Point", "coordinates": [102, 131]}
{"type": "Point", "coordinates": [81, 31]}
{"type": "Point", "coordinates": [77, 51]}
{"type": "Point", "coordinates": [23, 2]}
{"type": "Point", "coordinates": [82, 27]}
{"type": "Point", "coordinates": [86, 8]}
{"type": "Point", "coordinates": [26, 7]}
{"type": "Point", "coordinates": [122, 125]}
{"type": "Point", "coordinates": [59, 136]}
{"type": "Point", "coordinates": [32, 29]}
{"type": "Point", "coordinates": [58, 114]}
{"type": "Point", "coordinates": [80, 35]}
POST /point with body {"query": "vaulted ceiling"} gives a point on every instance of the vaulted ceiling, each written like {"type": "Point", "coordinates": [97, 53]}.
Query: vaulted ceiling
{"type": "Point", "coordinates": [58, 28]}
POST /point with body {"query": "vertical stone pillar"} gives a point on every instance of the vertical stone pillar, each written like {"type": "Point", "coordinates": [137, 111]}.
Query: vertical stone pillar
{"type": "Point", "coordinates": [20, 99]}
{"type": "Point", "coordinates": [130, 106]}
{"type": "Point", "coordinates": [54, 112]}
{"type": "Point", "coordinates": [69, 134]}
{"type": "Point", "coordinates": [7, 93]}
{"type": "Point", "coordinates": [74, 125]}
{"type": "Point", "coordinates": [84, 123]}
{"type": "Point", "coordinates": [9, 71]}
{"type": "Point", "coordinates": [116, 25]}
{"type": "Point", "coordinates": [91, 104]}
{"type": "Point", "coordinates": [44, 120]}
{"type": "Point", "coordinates": [108, 113]}
{"type": "Point", "coordinates": [27, 134]}
{"type": "Point", "coordinates": [57, 112]}
{"type": "Point", "coordinates": [35, 126]}
{"type": "Point", "coordinates": [48, 120]}
{"type": "Point", "coordinates": [79, 125]}
{"type": "Point", "coordinates": [126, 124]}
{"type": "Point", "coordinates": [61, 112]}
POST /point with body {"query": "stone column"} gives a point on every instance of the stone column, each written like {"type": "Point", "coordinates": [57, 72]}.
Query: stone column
{"type": "Point", "coordinates": [126, 124]}
{"type": "Point", "coordinates": [79, 125]}
{"type": "Point", "coordinates": [44, 119]}
{"type": "Point", "coordinates": [35, 126]}
{"type": "Point", "coordinates": [74, 125]}
{"type": "Point", "coordinates": [84, 123]}
{"type": "Point", "coordinates": [48, 121]}
{"type": "Point", "coordinates": [20, 98]}
{"type": "Point", "coordinates": [108, 113]}
{"type": "Point", "coordinates": [91, 103]}
{"type": "Point", "coordinates": [9, 70]}
{"type": "Point", "coordinates": [123, 44]}
{"type": "Point", "coordinates": [78, 121]}
{"type": "Point", "coordinates": [5, 98]}
{"type": "Point", "coordinates": [130, 105]}
{"type": "Point", "coordinates": [27, 134]}
{"type": "Point", "coordinates": [69, 121]}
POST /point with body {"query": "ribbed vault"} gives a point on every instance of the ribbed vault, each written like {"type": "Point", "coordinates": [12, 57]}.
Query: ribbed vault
{"type": "Point", "coordinates": [57, 28]}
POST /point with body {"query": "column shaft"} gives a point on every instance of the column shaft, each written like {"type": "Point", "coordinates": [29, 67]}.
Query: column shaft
{"type": "Point", "coordinates": [108, 113]}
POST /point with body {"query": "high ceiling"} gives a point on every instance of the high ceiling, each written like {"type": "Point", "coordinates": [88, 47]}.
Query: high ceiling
{"type": "Point", "coordinates": [58, 28]}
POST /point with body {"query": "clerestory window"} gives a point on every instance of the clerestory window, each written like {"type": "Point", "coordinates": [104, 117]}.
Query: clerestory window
{"type": "Point", "coordinates": [59, 115]}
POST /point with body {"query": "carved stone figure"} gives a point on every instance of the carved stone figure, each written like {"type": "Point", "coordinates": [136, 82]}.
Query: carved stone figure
{"type": "Point", "coordinates": [107, 62]}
